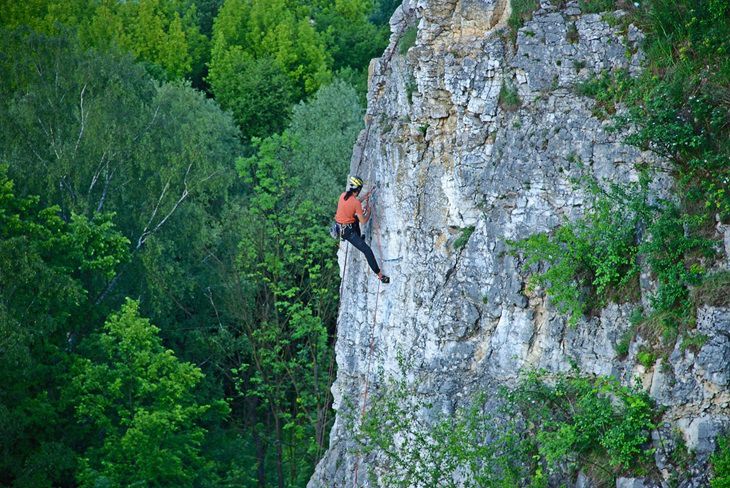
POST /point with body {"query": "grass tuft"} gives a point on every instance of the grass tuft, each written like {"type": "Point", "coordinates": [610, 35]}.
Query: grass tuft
{"type": "Point", "coordinates": [407, 40]}
{"type": "Point", "coordinates": [509, 99]}
{"type": "Point", "coordinates": [714, 290]}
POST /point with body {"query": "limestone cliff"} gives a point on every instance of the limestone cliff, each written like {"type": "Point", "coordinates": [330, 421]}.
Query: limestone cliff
{"type": "Point", "coordinates": [448, 155]}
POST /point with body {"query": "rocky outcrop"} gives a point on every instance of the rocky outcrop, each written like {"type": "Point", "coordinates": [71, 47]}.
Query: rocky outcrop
{"type": "Point", "coordinates": [462, 169]}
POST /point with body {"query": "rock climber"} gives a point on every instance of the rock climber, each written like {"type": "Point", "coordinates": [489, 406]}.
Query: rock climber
{"type": "Point", "coordinates": [350, 215]}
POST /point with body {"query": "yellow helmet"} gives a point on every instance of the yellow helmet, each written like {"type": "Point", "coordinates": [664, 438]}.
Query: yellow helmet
{"type": "Point", "coordinates": [355, 182]}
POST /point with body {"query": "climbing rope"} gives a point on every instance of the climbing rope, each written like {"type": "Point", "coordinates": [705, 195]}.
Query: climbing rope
{"type": "Point", "coordinates": [371, 348]}
{"type": "Point", "coordinates": [367, 379]}
{"type": "Point", "coordinates": [331, 369]}
{"type": "Point", "coordinates": [385, 60]}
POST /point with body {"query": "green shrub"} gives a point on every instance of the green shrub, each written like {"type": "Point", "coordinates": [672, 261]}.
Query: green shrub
{"type": "Point", "coordinates": [578, 421]}
{"type": "Point", "coordinates": [593, 260]}
{"type": "Point", "coordinates": [427, 453]}
{"type": "Point", "coordinates": [674, 239]}
{"type": "Point", "coordinates": [637, 316]}
{"type": "Point", "coordinates": [646, 358]}
{"type": "Point", "coordinates": [564, 423]}
{"type": "Point", "coordinates": [693, 342]}
{"type": "Point", "coordinates": [407, 40]}
{"type": "Point", "coordinates": [589, 261]}
{"type": "Point", "coordinates": [681, 109]}
{"type": "Point", "coordinates": [608, 88]}
{"type": "Point", "coordinates": [622, 346]}
{"type": "Point", "coordinates": [721, 464]}
{"type": "Point", "coordinates": [521, 12]}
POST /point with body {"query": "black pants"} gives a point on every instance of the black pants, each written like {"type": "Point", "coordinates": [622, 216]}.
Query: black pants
{"type": "Point", "coordinates": [352, 235]}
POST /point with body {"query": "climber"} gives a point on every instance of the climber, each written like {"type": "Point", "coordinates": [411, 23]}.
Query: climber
{"type": "Point", "coordinates": [349, 216]}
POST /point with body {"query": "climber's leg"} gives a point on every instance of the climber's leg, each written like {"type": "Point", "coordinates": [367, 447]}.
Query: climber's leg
{"type": "Point", "coordinates": [352, 235]}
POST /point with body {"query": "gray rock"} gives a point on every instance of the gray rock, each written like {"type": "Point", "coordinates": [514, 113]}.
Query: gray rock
{"type": "Point", "coordinates": [449, 153]}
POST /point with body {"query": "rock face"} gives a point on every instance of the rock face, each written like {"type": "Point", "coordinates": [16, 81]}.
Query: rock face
{"type": "Point", "coordinates": [462, 169]}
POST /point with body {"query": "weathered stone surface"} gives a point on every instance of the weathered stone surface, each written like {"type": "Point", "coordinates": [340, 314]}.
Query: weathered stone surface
{"type": "Point", "coordinates": [447, 155]}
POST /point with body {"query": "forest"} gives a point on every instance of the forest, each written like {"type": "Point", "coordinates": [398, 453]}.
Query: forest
{"type": "Point", "coordinates": [168, 288]}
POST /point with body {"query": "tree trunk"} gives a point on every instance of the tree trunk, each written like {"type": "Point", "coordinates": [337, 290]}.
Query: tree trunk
{"type": "Point", "coordinates": [279, 453]}
{"type": "Point", "coordinates": [260, 457]}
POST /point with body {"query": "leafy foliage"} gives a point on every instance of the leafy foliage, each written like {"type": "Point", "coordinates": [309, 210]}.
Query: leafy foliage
{"type": "Point", "coordinates": [590, 259]}
{"type": "Point", "coordinates": [256, 91]}
{"type": "Point", "coordinates": [273, 29]}
{"type": "Point", "coordinates": [721, 463]}
{"type": "Point", "coordinates": [681, 102]}
{"type": "Point", "coordinates": [284, 262]}
{"type": "Point", "coordinates": [350, 36]}
{"type": "Point", "coordinates": [580, 421]}
{"type": "Point", "coordinates": [673, 112]}
{"type": "Point", "coordinates": [521, 12]}
{"type": "Point", "coordinates": [141, 399]}
{"type": "Point", "coordinates": [609, 89]}
{"type": "Point", "coordinates": [323, 132]}
{"type": "Point", "coordinates": [597, 6]}
{"type": "Point", "coordinates": [139, 197]}
{"type": "Point", "coordinates": [165, 34]}
{"type": "Point", "coordinates": [714, 290]}
{"type": "Point", "coordinates": [565, 423]}
{"type": "Point", "coordinates": [509, 98]}
{"type": "Point", "coordinates": [48, 267]}
{"type": "Point", "coordinates": [463, 238]}
{"type": "Point", "coordinates": [423, 448]}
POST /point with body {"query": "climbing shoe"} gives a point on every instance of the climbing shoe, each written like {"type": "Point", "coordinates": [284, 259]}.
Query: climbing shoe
{"type": "Point", "coordinates": [384, 279]}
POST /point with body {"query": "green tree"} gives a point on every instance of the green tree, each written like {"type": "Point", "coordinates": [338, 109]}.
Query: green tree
{"type": "Point", "coordinates": [141, 399]}
{"type": "Point", "coordinates": [721, 463]}
{"type": "Point", "coordinates": [257, 92]}
{"type": "Point", "coordinates": [48, 270]}
{"type": "Point", "coordinates": [120, 143]}
{"type": "Point", "coordinates": [44, 15]}
{"type": "Point", "coordinates": [164, 33]}
{"type": "Point", "coordinates": [352, 39]}
{"type": "Point", "coordinates": [277, 310]}
{"type": "Point", "coordinates": [276, 29]}
{"type": "Point", "coordinates": [323, 132]}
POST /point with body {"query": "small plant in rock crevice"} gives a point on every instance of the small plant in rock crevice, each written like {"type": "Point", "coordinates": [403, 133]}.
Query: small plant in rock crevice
{"type": "Point", "coordinates": [509, 98]}
{"type": "Point", "coordinates": [463, 238]}
{"type": "Point", "coordinates": [522, 11]}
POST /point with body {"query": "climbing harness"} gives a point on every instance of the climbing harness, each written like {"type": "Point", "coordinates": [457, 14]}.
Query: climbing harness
{"type": "Point", "coordinates": [337, 230]}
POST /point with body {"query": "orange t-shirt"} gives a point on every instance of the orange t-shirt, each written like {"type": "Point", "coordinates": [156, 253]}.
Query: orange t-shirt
{"type": "Point", "coordinates": [348, 209]}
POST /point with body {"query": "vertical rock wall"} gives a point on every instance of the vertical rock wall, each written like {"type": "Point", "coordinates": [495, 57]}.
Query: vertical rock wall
{"type": "Point", "coordinates": [448, 156]}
